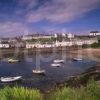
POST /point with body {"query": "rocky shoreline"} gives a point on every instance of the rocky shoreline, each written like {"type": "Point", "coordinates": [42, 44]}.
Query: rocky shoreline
{"type": "Point", "coordinates": [77, 81]}
{"type": "Point", "coordinates": [82, 79]}
{"type": "Point", "coordinates": [73, 81]}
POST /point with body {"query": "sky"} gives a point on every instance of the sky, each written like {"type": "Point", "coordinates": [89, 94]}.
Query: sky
{"type": "Point", "coordinates": [23, 17]}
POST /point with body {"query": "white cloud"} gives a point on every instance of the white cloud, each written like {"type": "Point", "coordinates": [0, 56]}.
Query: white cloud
{"type": "Point", "coordinates": [12, 29]}
{"type": "Point", "coordinates": [29, 4]}
{"type": "Point", "coordinates": [54, 11]}
{"type": "Point", "coordinates": [59, 11]}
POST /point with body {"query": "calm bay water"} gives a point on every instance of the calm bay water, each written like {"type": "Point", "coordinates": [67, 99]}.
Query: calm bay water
{"type": "Point", "coordinates": [26, 65]}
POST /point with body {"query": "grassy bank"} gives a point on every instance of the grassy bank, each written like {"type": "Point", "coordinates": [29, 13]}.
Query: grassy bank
{"type": "Point", "coordinates": [89, 92]}
{"type": "Point", "coordinates": [19, 93]}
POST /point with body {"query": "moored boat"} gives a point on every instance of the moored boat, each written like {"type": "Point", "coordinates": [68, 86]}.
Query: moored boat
{"type": "Point", "coordinates": [55, 65]}
{"type": "Point", "coordinates": [12, 60]}
{"type": "Point", "coordinates": [38, 71]}
{"type": "Point", "coordinates": [77, 59]}
{"type": "Point", "coordinates": [10, 79]}
{"type": "Point", "coordinates": [58, 61]}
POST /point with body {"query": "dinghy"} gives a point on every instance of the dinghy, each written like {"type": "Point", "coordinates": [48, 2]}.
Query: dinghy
{"type": "Point", "coordinates": [10, 79]}
{"type": "Point", "coordinates": [58, 61]}
{"type": "Point", "coordinates": [55, 65]}
{"type": "Point", "coordinates": [39, 71]}
{"type": "Point", "coordinates": [77, 59]}
{"type": "Point", "coordinates": [13, 60]}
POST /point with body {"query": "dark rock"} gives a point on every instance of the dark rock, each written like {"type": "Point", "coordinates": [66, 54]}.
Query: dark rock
{"type": "Point", "coordinates": [82, 79]}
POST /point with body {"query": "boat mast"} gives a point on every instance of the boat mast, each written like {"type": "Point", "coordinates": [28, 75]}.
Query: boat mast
{"type": "Point", "coordinates": [38, 59]}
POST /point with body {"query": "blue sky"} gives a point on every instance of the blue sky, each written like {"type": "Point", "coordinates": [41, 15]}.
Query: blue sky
{"type": "Point", "coordinates": [21, 17]}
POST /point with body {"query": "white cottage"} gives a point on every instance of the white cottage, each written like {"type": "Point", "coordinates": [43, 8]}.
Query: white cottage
{"type": "Point", "coordinates": [4, 45]}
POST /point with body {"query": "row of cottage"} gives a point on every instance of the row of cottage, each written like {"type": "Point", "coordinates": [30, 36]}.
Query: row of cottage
{"type": "Point", "coordinates": [59, 44]}
{"type": "Point", "coordinates": [56, 44]}
{"type": "Point", "coordinates": [22, 41]}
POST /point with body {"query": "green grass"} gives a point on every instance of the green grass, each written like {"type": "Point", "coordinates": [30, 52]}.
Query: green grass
{"type": "Point", "coordinates": [19, 93]}
{"type": "Point", "coordinates": [95, 45]}
{"type": "Point", "coordinates": [89, 92]}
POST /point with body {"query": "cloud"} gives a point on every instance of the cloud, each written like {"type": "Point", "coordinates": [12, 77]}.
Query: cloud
{"type": "Point", "coordinates": [28, 4]}
{"type": "Point", "coordinates": [23, 6]}
{"type": "Point", "coordinates": [12, 29]}
{"type": "Point", "coordinates": [53, 11]}
{"type": "Point", "coordinates": [59, 11]}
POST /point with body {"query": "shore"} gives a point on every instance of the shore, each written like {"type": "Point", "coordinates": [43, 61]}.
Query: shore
{"type": "Point", "coordinates": [82, 79]}
{"type": "Point", "coordinates": [89, 53]}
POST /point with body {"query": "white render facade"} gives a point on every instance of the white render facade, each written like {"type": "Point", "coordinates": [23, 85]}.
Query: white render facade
{"type": "Point", "coordinates": [63, 43]}
{"type": "Point", "coordinates": [94, 34]}
{"type": "Point", "coordinates": [4, 45]}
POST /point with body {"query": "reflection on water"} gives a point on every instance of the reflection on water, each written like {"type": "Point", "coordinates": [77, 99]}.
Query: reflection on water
{"type": "Point", "coordinates": [26, 65]}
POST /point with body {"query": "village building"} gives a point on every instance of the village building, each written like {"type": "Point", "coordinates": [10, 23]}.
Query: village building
{"type": "Point", "coordinates": [38, 36]}
{"type": "Point", "coordinates": [94, 33]}
{"type": "Point", "coordinates": [4, 43]}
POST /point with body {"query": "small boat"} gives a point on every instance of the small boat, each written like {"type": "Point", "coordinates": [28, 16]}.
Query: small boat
{"type": "Point", "coordinates": [10, 79]}
{"type": "Point", "coordinates": [55, 65]}
{"type": "Point", "coordinates": [39, 71]}
{"type": "Point", "coordinates": [12, 60]}
{"type": "Point", "coordinates": [77, 59]}
{"type": "Point", "coordinates": [58, 61]}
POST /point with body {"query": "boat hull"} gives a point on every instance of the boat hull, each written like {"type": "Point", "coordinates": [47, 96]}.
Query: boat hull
{"type": "Point", "coordinates": [10, 79]}
{"type": "Point", "coordinates": [58, 61]}
{"type": "Point", "coordinates": [76, 59]}
{"type": "Point", "coordinates": [12, 60]}
{"type": "Point", "coordinates": [55, 65]}
{"type": "Point", "coordinates": [38, 71]}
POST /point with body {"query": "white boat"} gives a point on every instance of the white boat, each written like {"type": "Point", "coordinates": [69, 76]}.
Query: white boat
{"type": "Point", "coordinates": [12, 60]}
{"type": "Point", "coordinates": [58, 61]}
{"type": "Point", "coordinates": [55, 65]}
{"type": "Point", "coordinates": [10, 79]}
{"type": "Point", "coordinates": [38, 71]}
{"type": "Point", "coordinates": [77, 59]}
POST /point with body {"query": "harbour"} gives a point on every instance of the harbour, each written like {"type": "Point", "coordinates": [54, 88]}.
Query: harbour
{"type": "Point", "coordinates": [52, 74]}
